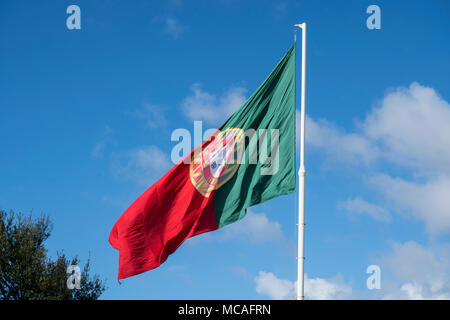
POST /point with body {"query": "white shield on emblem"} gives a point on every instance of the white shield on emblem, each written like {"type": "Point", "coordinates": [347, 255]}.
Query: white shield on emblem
{"type": "Point", "coordinates": [217, 160]}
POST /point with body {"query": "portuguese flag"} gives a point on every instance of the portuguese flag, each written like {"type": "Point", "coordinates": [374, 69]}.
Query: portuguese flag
{"type": "Point", "coordinates": [248, 160]}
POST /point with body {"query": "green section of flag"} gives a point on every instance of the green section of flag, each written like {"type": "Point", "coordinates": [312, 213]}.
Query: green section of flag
{"type": "Point", "coordinates": [272, 106]}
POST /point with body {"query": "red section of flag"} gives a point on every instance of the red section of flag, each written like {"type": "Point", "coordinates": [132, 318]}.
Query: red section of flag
{"type": "Point", "coordinates": [159, 221]}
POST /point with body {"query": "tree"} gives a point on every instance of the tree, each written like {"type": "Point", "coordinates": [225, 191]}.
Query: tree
{"type": "Point", "coordinates": [26, 272]}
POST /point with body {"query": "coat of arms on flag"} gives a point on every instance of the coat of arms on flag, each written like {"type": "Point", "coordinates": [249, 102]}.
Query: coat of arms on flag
{"type": "Point", "coordinates": [218, 161]}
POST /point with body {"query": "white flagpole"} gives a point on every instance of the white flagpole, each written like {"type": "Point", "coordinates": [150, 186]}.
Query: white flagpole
{"type": "Point", "coordinates": [301, 176]}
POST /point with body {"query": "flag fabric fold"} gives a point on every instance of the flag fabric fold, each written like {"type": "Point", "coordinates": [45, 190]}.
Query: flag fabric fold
{"type": "Point", "coordinates": [250, 159]}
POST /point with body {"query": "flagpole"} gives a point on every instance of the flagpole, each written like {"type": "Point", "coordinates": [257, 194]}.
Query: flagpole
{"type": "Point", "coordinates": [301, 176]}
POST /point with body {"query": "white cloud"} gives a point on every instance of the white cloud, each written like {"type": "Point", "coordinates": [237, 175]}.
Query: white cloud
{"type": "Point", "coordinates": [339, 146]}
{"type": "Point", "coordinates": [412, 125]}
{"type": "Point", "coordinates": [428, 201]}
{"type": "Point", "coordinates": [98, 148]}
{"type": "Point", "coordinates": [201, 105]}
{"type": "Point", "coordinates": [101, 144]}
{"type": "Point", "coordinates": [360, 206]}
{"type": "Point", "coordinates": [174, 27]}
{"type": "Point", "coordinates": [171, 25]}
{"type": "Point", "coordinates": [280, 10]}
{"type": "Point", "coordinates": [178, 272]}
{"type": "Point", "coordinates": [412, 128]}
{"type": "Point", "coordinates": [423, 273]}
{"type": "Point", "coordinates": [409, 128]}
{"type": "Point", "coordinates": [327, 289]}
{"type": "Point", "coordinates": [152, 114]}
{"type": "Point", "coordinates": [143, 165]}
{"type": "Point", "coordinates": [240, 272]}
{"type": "Point", "coordinates": [277, 289]}
{"type": "Point", "coordinates": [270, 285]}
{"type": "Point", "coordinates": [255, 227]}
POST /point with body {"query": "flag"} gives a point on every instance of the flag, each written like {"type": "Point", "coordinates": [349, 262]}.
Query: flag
{"type": "Point", "coordinates": [250, 159]}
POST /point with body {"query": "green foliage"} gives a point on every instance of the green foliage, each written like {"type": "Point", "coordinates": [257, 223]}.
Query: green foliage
{"type": "Point", "coordinates": [25, 270]}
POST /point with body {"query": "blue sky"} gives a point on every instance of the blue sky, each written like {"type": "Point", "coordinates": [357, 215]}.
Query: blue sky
{"type": "Point", "coordinates": [86, 118]}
